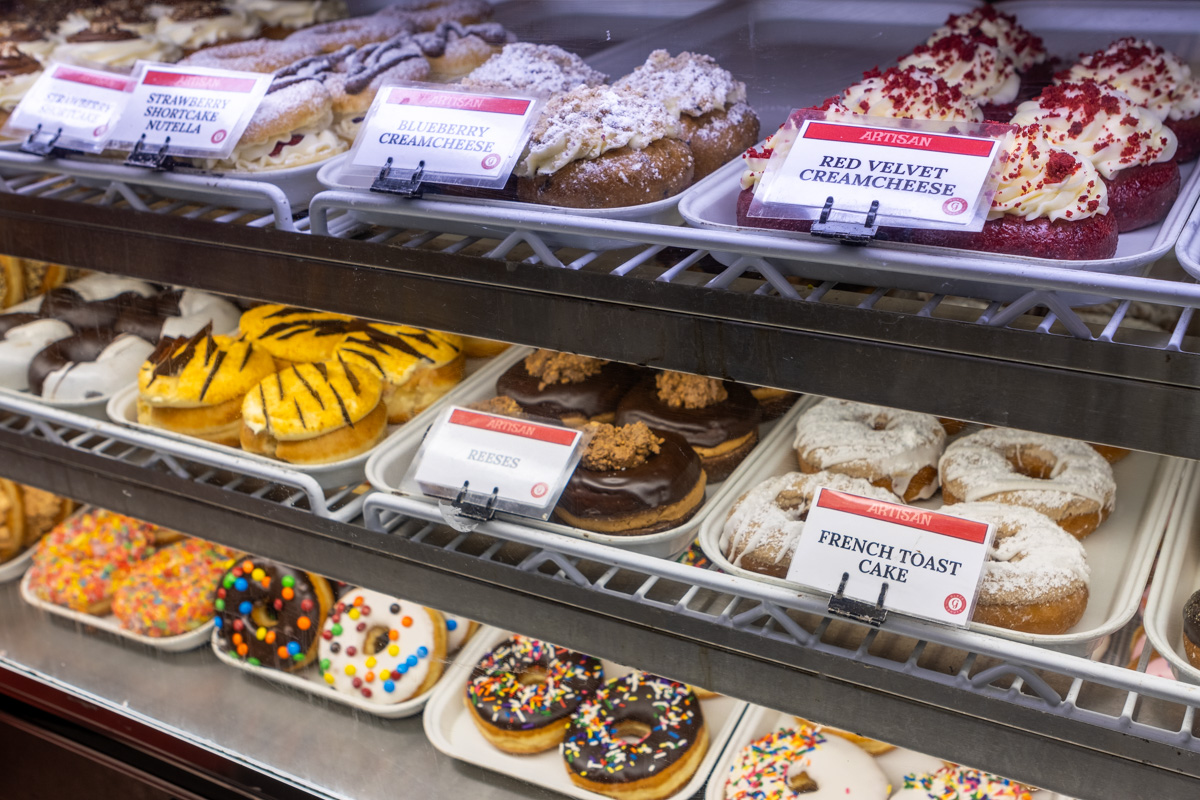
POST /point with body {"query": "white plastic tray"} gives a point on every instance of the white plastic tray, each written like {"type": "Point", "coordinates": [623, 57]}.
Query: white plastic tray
{"type": "Point", "coordinates": [389, 464]}
{"type": "Point", "coordinates": [449, 726]}
{"type": "Point", "coordinates": [122, 409]}
{"type": "Point", "coordinates": [381, 209]}
{"type": "Point", "coordinates": [759, 721]}
{"type": "Point", "coordinates": [1176, 577]}
{"type": "Point", "coordinates": [15, 567]}
{"type": "Point", "coordinates": [1120, 552]}
{"type": "Point", "coordinates": [711, 204]}
{"type": "Point", "coordinates": [109, 624]}
{"type": "Point", "coordinates": [308, 680]}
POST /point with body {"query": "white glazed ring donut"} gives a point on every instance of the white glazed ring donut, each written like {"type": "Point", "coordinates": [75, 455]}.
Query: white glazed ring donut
{"type": "Point", "coordinates": [802, 762]}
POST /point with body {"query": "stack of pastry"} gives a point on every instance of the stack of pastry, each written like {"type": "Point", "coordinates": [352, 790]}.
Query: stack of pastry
{"type": "Point", "coordinates": [26, 515]}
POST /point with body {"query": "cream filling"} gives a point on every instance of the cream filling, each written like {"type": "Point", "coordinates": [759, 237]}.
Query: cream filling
{"type": "Point", "coordinates": [347, 127]}
{"type": "Point", "coordinates": [39, 49]}
{"type": "Point", "coordinates": [1106, 140]}
{"type": "Point", "coordinates": [317, 145]}
{"type": "Point", "coordinates": [78, 21]}
{"type": "Point", "coordinates": [117, 54]}
{"type": "Point", "coordinates": [1024, 191]}
{"type": "Point", "coordinates": [193, 34]}
{"type": "Point", "coordinates": [988, 78]}
{"type": "Point", "coordinates": [295, 13]}
{"type": "Point", "coordinates": [12, 89]}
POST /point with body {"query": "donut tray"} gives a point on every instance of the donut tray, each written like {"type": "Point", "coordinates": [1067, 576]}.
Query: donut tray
{"type": "Point", "coordinates": [15, 567]}
{"type": "Point", "coordinates": [449, 726]}
{"type": "Point", "coordinates": [1176, 578]}
{"type": "Point", "coordinates": [758, 721]}
{"type": "Point", "coordinates": [387, 467]}
{"type": "Point", "coordinates": [1187, 250]}
{"type": "Point", "coordinates": [1120, 552]}
{"type": "Point", "coordinates": [122, 409]}
{"type": "Point", "coordinates": [109, 624]}
{"type": "Point", "coordinates": [308, 680]}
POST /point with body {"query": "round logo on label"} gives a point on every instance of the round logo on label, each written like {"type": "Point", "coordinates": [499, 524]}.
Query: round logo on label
{"type": "Point", "coordinates": [219, 137]}
{"type": "Point", "coordinates": [956, 603]}
{"type": "Point", "coordinates": [490, 161]}
{"type": "Point", "coordinates": [539, 490]}
{"type": "Point", "coordinates": [954, 206]}
{"type": "Point", "coordinates": [103, 129]}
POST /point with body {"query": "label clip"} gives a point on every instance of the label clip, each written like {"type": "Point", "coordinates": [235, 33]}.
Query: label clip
{"type": "Point", "coordinates": [406, 183]}
{"type": "Point", "coordinates": [482, 512]}
{"type": "Point", "coordinates": [858, 610]}
{"type": "Point", "coordinates": [158, 160]}
{"type": "Point", "coordinates": [46, 149]}
{"type": "Point", "coordinates": [846, 232]}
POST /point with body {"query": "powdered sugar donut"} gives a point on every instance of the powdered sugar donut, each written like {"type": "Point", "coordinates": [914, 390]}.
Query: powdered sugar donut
{"type": "Point", "coordinates": [1064, 479]}
{"type": "Point", "coordinates": [765, 523]}
{"type": "Point", "coordinates": [892, 449]}
{"type": "Point", "coordinates": [804, 762]}
{"type": "Point", "coordinates": [381, 648]}
{"type": "Point", "coordinates": [1036, 577]}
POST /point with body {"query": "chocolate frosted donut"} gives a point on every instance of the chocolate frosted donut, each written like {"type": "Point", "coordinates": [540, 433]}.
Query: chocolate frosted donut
{"type": "Point", "coordinates": [570, 388]}
{"type": "Point", "coordinates": [723, 430]}
{"type": "Point", "coordinates": [633, 481]}
{"type": "Point", "coordinates": [1191, 629]}
{"type": "Point", "coordinates": [92, 363]}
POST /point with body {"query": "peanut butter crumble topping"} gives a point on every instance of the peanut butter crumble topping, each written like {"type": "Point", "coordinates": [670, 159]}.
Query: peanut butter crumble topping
{"type": "Point", "coordinates": [690, 391]}
{"type": "Point", "coordinates": [612, 448]}
{"type": "Point", "coordinates": [551, 367]}
{"type": "Point", "coordinates": [502, 404]}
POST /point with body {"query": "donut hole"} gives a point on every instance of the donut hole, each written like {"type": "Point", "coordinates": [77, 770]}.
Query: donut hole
{"type": "Point", "coordinates": [532, 676]}
{"type": "Point", "coordinates": [802, 783]}
{"type": "Point", "coordinates": [264, 616]}
{"type": "Point", "coordinates": [1031, 464]}
{"type": "Point", "coordinates": [631, 731]}
{"type": "Point", "coordinates": [880, 423]}
{"type": "Point", "coordinates": [376, 640]}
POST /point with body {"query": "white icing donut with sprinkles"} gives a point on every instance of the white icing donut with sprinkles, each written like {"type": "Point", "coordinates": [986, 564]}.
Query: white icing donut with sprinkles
{"type": "Point", "coordinates": [803, 762]}
{"type": "Point", "coordinates": [382, 649]}
{"type": "Point", "coordinates": [961, 783]}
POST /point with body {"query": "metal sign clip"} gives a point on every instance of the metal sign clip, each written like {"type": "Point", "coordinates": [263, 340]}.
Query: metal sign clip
{"type": "Point", "coordinates": [846, 232]}
{"type": "Point", "coordinates": [46, 149]}
{"type": "Point", "coordinates": [157, 160]}
{"type": "Point", "coordinates": [858, 610]}
{"type": "Point", "coordinates": [406, 183]}
{"type": "Point", "coordinates": [482, 512]}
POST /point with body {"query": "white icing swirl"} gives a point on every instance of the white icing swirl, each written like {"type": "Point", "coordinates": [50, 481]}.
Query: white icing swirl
{"type": "Point", "coordinates": [192, 34]}
{"type": "Point", "coordinates": [121, 53]}
{"type": "Point", "coordinates": [1020, 46]}
{"type": "Point", "coordinates": [1151, 76]}
{"type": "Point", "coordinates": [1038, 180]}
{"type": "Point", "coordinates": [974, 65]}
{"type": "Point", "coordinates": [588, 122]}
{"type": "Point", "coordinates": [909, 93]}
{"type": "Point", "coordinates": [1100, 124]}
{"type": "Point", "coordinates": [689, 83]}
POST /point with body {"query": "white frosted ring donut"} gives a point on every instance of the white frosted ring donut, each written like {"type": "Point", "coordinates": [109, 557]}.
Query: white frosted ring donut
{"type": "Point", "coordinates": [1036, 577]}
{"type": "Point", "coordinates": [893, 449]}
{"type": "Point", "coordinates": [1066, 480]}
{"type": "Point", "coordinates": [803, 762]}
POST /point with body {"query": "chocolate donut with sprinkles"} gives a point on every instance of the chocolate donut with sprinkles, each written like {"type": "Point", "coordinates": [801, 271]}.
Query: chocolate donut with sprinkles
{"type": "Point", "coordinates": [522, 693]}
{"type": "Point", "coordinates": [270, 615]}
{"type": "Point", "coordinates": [384, 649]}
{"type": "Point", "coordinates": [640, 737]}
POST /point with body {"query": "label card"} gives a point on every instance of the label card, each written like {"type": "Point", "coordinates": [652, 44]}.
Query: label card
{"type": "Point", "coordinates": [931, 562]}
{"type": "Point", "coordinates": [528, 463]}
{"type": "Point", "coordinates": [464, 138]}
{"type": "Point", "coordinates": [920, 176]}
{"type": "Point", "coordinates": [203, 111]}
{"type": "Point", "coordinates": [83, 103]}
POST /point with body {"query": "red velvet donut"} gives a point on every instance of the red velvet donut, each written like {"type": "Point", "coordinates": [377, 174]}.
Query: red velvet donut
{"type": "Point", "coordinates": [1142, 195]}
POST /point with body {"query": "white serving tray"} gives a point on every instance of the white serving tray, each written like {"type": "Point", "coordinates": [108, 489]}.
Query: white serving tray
{"type": "Point", "coordinates": [759, 721]}
{"type": "Point", "coordinates": [122, 409]}
{"type": "Point", "coordinates": [15, 567]}
{"type": "Point", "coordinates": [437, 211]}
{"type": "Point", "coordinates": [309, 680]}
{"type": "Point", "coordinates": [1120, 552]}
{"type": "Point", "coordinates": [389, 464]}
{"type": "Point", "coordinates": [449, 726]}
{"type": "Point", "coordinates": [1176, 577]}
{"type": "Point", "coordinates": [109, 624]}
{"type": "Point", "coordinates": [711, 204]}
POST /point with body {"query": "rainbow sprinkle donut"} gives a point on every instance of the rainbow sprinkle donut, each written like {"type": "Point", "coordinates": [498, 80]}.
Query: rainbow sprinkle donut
{"type": "Point", "coordinates": [802, 762]}
{"type": "Point", "coordinates": [960, 783]}
{"type": "Point", "coordinates": [171, 592]}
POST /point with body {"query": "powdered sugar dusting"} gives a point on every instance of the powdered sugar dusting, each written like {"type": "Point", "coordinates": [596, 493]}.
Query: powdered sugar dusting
{"type": "Point", "coordinates": [689, 83]}
{"type": "Point", "coordinates": [543, 68]}
{"type": "Point", "coordinates": [301, 105]}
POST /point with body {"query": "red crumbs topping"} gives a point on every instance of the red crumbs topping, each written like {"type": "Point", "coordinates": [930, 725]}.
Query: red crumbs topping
{"type": "Point", "coordinates": [1060, 166]}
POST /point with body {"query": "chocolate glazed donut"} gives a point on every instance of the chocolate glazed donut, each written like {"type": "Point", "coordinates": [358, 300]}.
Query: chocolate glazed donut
{"type": "Point", "coordinates": [665, 479]}
{"type": "Point", "coordinates": [66, 304]}
{"type": "Point", "coordinates": [592, 397]}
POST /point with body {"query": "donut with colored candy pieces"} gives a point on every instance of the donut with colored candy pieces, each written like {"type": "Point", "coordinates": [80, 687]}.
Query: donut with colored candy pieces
{"type": "Point", "coordinates": [458, 631]}
{"type": "Point", "coordinates": [79, 563]}
{"type": "Point", "coordinates": [639, 736]}
{"type": "Point", "coordinates": [523, 691]}
{"type": "Point", "coordinates": [171, 592]}
{"type": "Point", "coordinates": [694, 556]}
{"type": "Point", "coordinates": [271, 615]}
{"type": "Point", "coordinates": [806, 762]}
{"type": "Point", "coordinates": [961, 783]}
{"type": "Point", "coordinates": [381, 648]}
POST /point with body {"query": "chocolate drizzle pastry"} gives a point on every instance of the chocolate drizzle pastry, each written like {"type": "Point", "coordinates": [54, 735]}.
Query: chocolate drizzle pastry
{"type": "Point", "coordinates": [198, 9]}
{"type": "Point", "coordinates": [13, 62]}
{"type": "Point", "coordinates": [434, 42]}
{"type": "Point", "coordinates": [367, 63]}
{"type": "Point", "coordinates": [313, 68]}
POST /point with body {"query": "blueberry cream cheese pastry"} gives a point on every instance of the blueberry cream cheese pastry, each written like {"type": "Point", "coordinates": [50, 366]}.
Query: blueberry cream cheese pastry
{"type": "Point", "coordinates": [632, 480]}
